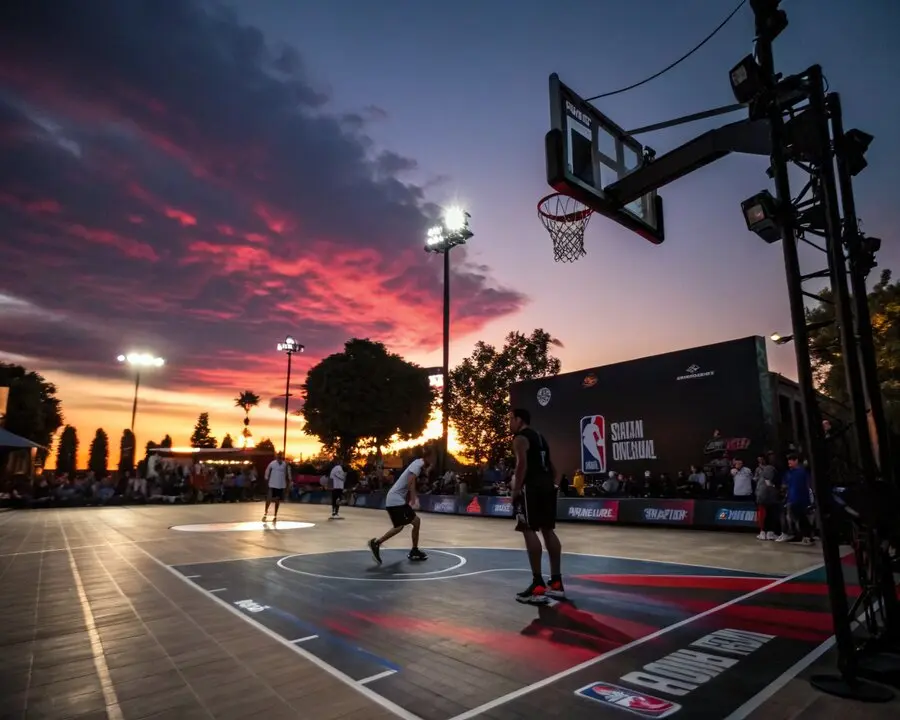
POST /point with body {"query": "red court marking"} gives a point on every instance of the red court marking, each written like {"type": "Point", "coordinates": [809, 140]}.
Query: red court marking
{"type": "Point", "coordinates": [711, 582]}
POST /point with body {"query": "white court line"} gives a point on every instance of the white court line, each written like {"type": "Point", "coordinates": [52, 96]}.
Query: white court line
{"type": "Point", "coordinates": [778, 683]}
{"type": "Point", "coordinates": [217, 590]}
{"type": "Point", "coordinates": [314, 659]}
{"type": "Point", "coordinates": [80, 547]}
{"type": "Point", "coordinates": [192, 577]}
{"type": "Point", "coordinates": [373, 678]}
{"type": "Point", "coordinates": [113, 711]}
{"type": "Point", "coordinates": [305, 639]}
{"type": "Point", "coordinates": [454, 547]}
{"type": "Point", "coordinates": [635, 643]}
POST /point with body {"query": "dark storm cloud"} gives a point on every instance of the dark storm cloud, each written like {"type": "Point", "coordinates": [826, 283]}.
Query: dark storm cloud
{"type": "Point", "coordinates": [170, 180]}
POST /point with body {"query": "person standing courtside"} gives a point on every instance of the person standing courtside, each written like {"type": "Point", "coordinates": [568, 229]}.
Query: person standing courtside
{"type": "Point", "coordinates": [534, 489]}
{"type": "Point", "coordinates": [338, 477]}
{"type": "Point", "coordinates": [278, 475]}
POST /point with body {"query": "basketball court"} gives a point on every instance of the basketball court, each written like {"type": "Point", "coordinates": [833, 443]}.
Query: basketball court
{"type": "Point", "coordinates": [205, 612]}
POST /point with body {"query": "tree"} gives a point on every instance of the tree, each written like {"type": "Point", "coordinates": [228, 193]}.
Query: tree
{"type": "Point", "coordinates": [32, 410]}
{"type": "Point", "coordinates": [365, 394]}
{"type": "Point", "coordinates": [246, 400]}
{"type": "Point", "coordinates": [827, 356]}
{"type": "Point", "coordinates": [98, 460]}
{"type": "Point", "coordinates": [227, 442]}
{"type": "Point", "coordinates": [202, 437]}
{"type": "Point", "coordinates": [166, 442]}
{"type": "Point", "coordinates": [126, 451]}
{"type": "Point", "coordinates": [67, 451]}
{"type": "Point", "coordinates": [479, 397]}
{"type": "Point", "coordinates": [266, 445]}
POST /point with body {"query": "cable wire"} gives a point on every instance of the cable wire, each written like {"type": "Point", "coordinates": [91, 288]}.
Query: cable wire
{"type": "Point", "coordinates": [677, 62]}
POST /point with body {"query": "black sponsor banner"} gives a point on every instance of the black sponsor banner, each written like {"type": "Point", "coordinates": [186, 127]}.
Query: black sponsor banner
{"type": "Point", "coordinates": [657, 512]}
{"type": "Point", "coordinates": [725, 514]}
{"type": "Point", "coordinates": [370, 500]}
{"type": "Point", "coordinates": [446, 504]}
{"type": "Point", "coordinates": [316, 498]}
{"type": "Point", "coordinates": [588, 509]}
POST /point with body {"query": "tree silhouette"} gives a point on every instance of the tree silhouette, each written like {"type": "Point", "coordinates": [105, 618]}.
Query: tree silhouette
{"type": "Point", "coordinates": [166, 442]}
{"type": "Point", "coordinates": [67, 451]}
{"type": "Point", "coordinates": [479, 400]}
{"type": "Point", "coordinates": [227, 442]}
{"type": "Point", "coordinates": [32, 409]}
{"type": "Point", "coordinates": [126, 451]}
{"type": "Point", "coordinates": [98, 460]}
{"type": "Point", "coordinates": [246, 400]}
{"type": "Point", "coordinates": [266, 445]}
{"type": "Point", "coordinates": [202, 437]}
{"type": "Point", "coordinates": [365, 395]}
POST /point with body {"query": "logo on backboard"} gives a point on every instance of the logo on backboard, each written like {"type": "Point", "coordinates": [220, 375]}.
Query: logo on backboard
{"type": "Point", "coordinates": [593, 444]}
{"type": "Point", "coordinates": [625, 699]}
{"type": "Point", "coordinates": [543, 396]}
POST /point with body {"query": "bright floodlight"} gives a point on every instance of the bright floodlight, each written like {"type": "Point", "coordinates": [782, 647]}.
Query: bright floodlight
{"type": "Point", "coordinates": [435, 236]}
{"type": "Point", "coordinates": [775, 337]}
{"type": "Point", "coordinates": [141, 360]}
{"type": "Point", "coordinates": [290, 345]}
{"type": "Point", "coordinates": [454, 218]}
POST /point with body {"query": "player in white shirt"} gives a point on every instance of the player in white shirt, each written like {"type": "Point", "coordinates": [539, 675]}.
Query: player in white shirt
{"type": "Point", "coordinates": [401, 504]}
{"type": "Point", "coordinates": [337, 478]}
{"type": "Point", "coordinates": [278, 475]}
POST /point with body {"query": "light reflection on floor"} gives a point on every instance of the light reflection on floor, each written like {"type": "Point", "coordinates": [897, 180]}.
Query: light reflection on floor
{"type": "Point", "coordinates": [250, 526]}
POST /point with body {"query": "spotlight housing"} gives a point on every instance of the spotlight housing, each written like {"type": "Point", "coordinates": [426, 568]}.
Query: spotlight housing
{"type": "Point", "coordinates": [761, 216]}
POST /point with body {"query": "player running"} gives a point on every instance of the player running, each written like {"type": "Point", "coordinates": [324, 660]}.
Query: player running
{"type": "Point", "coordinates": [534, 489]}
{"type": "Point", "coordinates": [401, 504]}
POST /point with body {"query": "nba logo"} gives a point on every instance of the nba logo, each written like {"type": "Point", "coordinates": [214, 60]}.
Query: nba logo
{"type": "Point", "coordinates": [593, 444]}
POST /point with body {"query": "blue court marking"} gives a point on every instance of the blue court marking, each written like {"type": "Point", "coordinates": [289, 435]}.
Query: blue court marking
{"type": "Point", "coordinates": [330, 637]}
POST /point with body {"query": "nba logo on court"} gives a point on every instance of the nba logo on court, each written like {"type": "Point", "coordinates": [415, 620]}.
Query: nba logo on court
{"type": "Point", "coordinates": [593, 444]}
{"type": "Point", "coordinates": [625, 699]}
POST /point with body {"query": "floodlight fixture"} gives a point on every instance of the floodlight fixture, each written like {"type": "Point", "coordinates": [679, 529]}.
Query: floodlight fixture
{"type": "Point", "coordinates": [455, 219]}
{"type": "Point", "coordinates": [290, 346]}
{"type": "Point", "coordinates": [761, 216]}
{"type": "Point", "coordinates": [141, 360]}
{"type": "Point", "coordinates": [855, 144]}
{"type": "Point", "coordinates": [453, 230]}
{"type": "Point", "coordinates": [780, 339]}
{"type": "Point", "coordinates": [747, 80]}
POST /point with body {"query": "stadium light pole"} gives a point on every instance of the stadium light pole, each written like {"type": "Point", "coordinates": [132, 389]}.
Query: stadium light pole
{"type": "Point", "coordinates": [139, 361]}
{"type": "Point", "coordinates": [288, 347]}
{"type": "Point", "coordinates": [452, 231]}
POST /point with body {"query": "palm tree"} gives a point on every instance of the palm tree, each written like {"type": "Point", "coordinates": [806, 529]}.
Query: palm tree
{"type": "Point", "coordinates": [246, 400]}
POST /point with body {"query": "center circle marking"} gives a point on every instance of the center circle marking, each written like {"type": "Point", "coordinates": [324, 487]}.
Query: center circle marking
{"type": "Point", "coordinates": [396, 577]}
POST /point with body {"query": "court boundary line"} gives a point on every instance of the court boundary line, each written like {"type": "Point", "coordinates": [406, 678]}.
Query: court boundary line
{"type": "Point", "coordinates": [551, 679]}
{"type": "Point", "coordinates": [364, 690]}
{"type": "Point", "coordinates": [747, 573]}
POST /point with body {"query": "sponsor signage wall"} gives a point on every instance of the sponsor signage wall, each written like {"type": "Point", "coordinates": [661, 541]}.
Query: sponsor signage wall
{"type": "Point", "coordinates": [657, 413]}
{"type": "Point", "coordinates": [711, 514]}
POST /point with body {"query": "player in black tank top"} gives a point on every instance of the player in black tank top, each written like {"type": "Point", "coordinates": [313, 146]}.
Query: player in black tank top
{"type": "Point", "coordinates": [538, 470]}
{"type": "Point", "coordinates": [534, 489]}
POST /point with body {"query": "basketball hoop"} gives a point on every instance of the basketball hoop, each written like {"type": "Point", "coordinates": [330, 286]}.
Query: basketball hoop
{"type": "Point", "coordinates": [566, 220]}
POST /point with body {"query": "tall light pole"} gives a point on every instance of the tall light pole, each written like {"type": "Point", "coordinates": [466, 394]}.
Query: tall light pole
{"type": "Point", "coordinates": [139, 361]}
{"type": "Point", "coordinates": [288, 347]}
{"type": "Point", "coordinates": [453, 231]}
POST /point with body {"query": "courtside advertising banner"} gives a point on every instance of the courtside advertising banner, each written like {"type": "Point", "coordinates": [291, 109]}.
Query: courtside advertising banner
{"type": "Point", "coordinates": [438, 504]}
{"type": "Point", "coordinates": [724, 513]}
{"type": "Point", "coordinates": [472, 505]}
{"type": "Point", "coordinates": [498, 506]}
{"type": "Point", "coordinates": [374, 500]}
{"type": "Point", "coordinates": [588, 509]}
{"type": "Point", "coordinates": [659, 512]}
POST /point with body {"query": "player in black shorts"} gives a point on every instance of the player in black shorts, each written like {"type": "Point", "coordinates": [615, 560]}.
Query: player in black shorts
{"type": "Point", "coordinates": [534, 490]}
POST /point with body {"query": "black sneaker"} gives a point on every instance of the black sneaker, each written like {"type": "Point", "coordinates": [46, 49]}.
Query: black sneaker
{"type": "Point", "coordinates": [555, 590]}
{"type": "Point", "coordinates": [416, 554]}
{"type": "Point", "coordinates": [536, 594]}
{"type": "Point", "coordinates": [376, 550]}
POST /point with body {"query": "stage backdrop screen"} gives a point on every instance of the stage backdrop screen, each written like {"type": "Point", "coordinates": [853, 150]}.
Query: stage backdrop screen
{"type": "Point", "coordinates": [659, 413]}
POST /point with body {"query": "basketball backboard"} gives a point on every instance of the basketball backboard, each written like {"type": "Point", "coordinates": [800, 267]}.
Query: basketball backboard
{"type": "Point", "coordinates": [587, 152]}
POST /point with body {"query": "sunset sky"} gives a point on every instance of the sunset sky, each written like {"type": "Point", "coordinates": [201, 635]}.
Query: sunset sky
{"type": "Point", "coordinates": [198, 180]}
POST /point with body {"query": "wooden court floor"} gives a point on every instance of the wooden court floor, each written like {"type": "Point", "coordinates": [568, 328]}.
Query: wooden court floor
{"type": "Point", "coordinates": [97, 624]}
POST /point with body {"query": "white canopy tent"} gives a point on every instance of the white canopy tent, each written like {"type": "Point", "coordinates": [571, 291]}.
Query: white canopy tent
{"type": "Point", "coordinates": [9, 440]}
